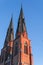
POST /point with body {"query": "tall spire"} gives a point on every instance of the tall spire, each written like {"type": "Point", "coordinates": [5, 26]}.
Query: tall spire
{"type": "Point", "coordinates": [21, 13]}
{"type": "Point", "coordinates": [21, 23]}
{"type": "Point", "coordinates": [10, 32]}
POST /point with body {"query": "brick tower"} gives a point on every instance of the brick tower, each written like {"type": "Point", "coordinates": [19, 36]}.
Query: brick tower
{"type": "Point", "coordinates": [22, 49]}
{"type": "Point", "coordinates": [17, 51]}
{"type": "Point", "coordinates": [7, 50]}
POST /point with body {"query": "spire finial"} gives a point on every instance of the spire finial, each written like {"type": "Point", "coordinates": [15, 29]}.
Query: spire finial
{"type": "Point", "coordinates": [21, 5]}
{"type": "Point", "coordinates": [21, 12]}
{"type": "Point", "coordinates": [11, 17]}
{"type": "Point", "coordinates": [11, 21]}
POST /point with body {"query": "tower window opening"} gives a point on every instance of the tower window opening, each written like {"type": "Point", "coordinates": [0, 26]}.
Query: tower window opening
{"type": "Point", "coordinates": [25, 48]}
{"type": "Point", "coordinates": [16, 48]}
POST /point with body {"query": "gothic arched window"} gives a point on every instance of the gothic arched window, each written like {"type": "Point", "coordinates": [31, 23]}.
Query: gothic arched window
{"type": "Point", "coordinates": [25, 48]}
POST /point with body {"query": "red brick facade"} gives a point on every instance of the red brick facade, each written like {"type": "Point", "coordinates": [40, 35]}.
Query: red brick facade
{"type": "Point", "coordinates": [17, 51]}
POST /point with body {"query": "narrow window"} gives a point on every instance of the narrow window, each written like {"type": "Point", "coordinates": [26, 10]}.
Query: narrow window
{"type": "Point", "coordinates": [16, 48]}
{"type": "Point", "coordinates": [25, 48]}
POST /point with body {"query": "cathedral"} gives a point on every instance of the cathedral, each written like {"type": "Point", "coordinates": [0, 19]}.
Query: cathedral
{"type": "Point", "coordinates": [17, 51]}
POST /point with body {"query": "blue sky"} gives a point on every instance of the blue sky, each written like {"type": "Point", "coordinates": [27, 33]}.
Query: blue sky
{"type": "Point", "coordinates": [33, 13]}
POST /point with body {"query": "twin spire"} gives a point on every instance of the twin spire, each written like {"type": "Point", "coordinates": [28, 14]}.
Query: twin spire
{"type": "Point", "coordinates": [21, 13]}
{"type": "Point", "coordinates": [10, 33]}
{"type": "Point", "coordinates": [21, 23]}
{"type": "Point", "coordinates": [20, 28]}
